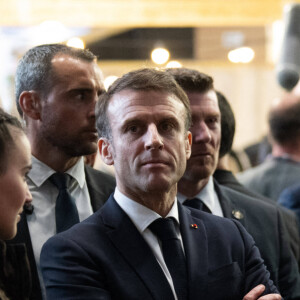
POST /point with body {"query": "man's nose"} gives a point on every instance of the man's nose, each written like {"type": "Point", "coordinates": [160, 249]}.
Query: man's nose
{"type": "Point", "coordinates": [153, 139]}
{"type": "Point", "coordinates": [28, 196]}
{"type": "Point", "coordinates": [201, 133]}
{"type": "Point", "coordinates": [92, 105]}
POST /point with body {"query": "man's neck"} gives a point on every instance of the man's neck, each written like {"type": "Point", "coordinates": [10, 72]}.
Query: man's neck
{"type": "Point", "coordinates": [223, 163]}
{"type": "Point", "coordinates": [53, 157]}
{"type": "Point", "coordinates": [292, 152]}
{"type": "Point", "coordinates": [160, 202]}
{"type": "Point", "coordinates": [191, 188]}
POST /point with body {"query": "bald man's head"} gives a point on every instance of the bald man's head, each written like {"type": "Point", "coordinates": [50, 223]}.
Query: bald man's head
{"type": "Point", "coordinates": [284, 119]}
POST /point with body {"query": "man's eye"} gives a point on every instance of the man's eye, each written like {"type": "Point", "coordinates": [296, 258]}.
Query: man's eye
{"type": "Point", "coordinates": [213, 120]}
{"type": "Point", "coordinates": [80, 95]}
{"type": "Point", "coordinates": [166, 126]}
{"type": "Point", "coordinates": [133, 128]}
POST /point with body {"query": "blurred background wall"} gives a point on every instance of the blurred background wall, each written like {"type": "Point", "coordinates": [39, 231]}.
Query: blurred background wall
{"type": "Point", "coordinates": [199, 34]}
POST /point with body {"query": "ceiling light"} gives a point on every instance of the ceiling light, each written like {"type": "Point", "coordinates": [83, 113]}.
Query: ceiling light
{"type": "Point", "coordinates": [109, 80]}
{"type": "Point", "coordinates": [241, 55]}
{"type": "Point", "coordinates": [160, 56]}
{"type": "Point", "coordinates": [75, 42]}
{"type": "Point", "coordinates": [173, 64]}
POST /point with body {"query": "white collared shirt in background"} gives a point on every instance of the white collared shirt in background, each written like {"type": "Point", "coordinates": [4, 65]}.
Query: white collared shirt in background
{"type": "Point", "coordinates": [209, 197]}
{"type": "Point", "coordinates": [142, 217]}
{"type": "Point", "coordinates": [41, 223]}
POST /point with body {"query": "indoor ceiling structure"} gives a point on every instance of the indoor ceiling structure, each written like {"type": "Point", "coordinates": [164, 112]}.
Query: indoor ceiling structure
{"type": "Point", "coordinates": [142, 13]}
{"type": "Point", "coordinates": [193, 29]}
{"type": "Point", "coordinates": [122, 33]}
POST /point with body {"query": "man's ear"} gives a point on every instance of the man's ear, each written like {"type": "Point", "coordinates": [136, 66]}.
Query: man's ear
{"type": "Point", "coordinates": [106, 151]}
{"type": "Point", "coordinates": [188, 144]}
{"type": "Point", "coordinates": [30, 103]}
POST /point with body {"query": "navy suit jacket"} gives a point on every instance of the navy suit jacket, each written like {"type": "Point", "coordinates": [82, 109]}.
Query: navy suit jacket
{"type": "Point", "coordinates": [105, 257]}
{"type": "Point", "coordinates": [263, 221]}
{"type": "Point", "coordinates": [226, 178]}
{"type": "Point", "coordinates": [100, 186]}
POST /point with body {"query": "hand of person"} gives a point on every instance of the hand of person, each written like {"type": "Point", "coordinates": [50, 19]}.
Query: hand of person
{"type": "Point", "coordinates": [257, 291]}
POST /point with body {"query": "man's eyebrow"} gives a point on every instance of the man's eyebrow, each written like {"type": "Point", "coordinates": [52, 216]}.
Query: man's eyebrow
{"type": "Point", "coordinates": [135, 120]}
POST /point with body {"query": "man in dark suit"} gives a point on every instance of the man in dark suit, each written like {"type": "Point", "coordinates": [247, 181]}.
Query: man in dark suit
{"type": "Point", "coordinates": [224, 176]}
{"type": "Point", "coordinates": [143, 244]}
{"type": "Point", "coordinates": [56, 91]}
{"type": "Point", "coordinates": [261, 220]}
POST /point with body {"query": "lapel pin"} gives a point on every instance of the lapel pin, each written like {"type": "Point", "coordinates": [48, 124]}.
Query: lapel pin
{"type": "Point", "coordinates": [237, 214]}
{"type": "Point", "coordinates": [195, 226]}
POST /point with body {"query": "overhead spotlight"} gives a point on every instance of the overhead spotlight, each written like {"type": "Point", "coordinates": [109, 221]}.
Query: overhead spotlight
{"type": "Point", "coordinates": [160, 56]}
{"type": "Point", "coordinates": [241, 55]}
{"type": "Point", "coordinates": [76, 42]}
{"type": "Point", "coordinates": [49, 32]}
{"type": "Point", "coordinates": [173, 64]}
{"type": "Point", "coordinates": [109, 80]}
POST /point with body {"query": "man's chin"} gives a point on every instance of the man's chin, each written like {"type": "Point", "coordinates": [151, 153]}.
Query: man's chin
{"type": "Point", "coordinates": [157, 185]}
{"type": "Point", "coordinates": [82, 150]}
{"type": "Point", "coordinates": [197, 172]}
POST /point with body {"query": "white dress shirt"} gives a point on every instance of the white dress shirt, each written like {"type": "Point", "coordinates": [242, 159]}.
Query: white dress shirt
{"type": "Point", "coordinates": [208, 196]}
{"type": "Point", "coordinates": [42, 222]}
{"type": "Point", "coordinates": [142, 217]}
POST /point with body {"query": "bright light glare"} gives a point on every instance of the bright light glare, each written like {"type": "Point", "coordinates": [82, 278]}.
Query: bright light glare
{"type": "Point", "coordinates": [49, 32]}
{"type": "Point", "coordinates": [241, 55]}
{"type": "Point", "coordinates": [76, 42]}
{"type": "Point", "coordinates": [160, 56]}
{"type": "Point", "coordinates": [109, 80]}
{"type": "Point", "coordinates": [173, 64]}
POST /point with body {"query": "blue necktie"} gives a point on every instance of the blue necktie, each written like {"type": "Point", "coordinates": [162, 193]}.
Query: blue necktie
{"type": "Point", "coordinates": [164, 229]}
{"type": "Point", "coordinates": [197, 203]}
{"type": "Point", "coordinates": [66, 214]}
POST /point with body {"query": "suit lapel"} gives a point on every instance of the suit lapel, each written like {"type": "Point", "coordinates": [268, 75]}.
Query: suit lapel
{"type": "Point", "coordinates": [99, 186]}
{"type": "Point", "coordinates": [195, 244]}
{"type": "Point", "coordinates": [132, 246]}
{"type": "Point", "coordinates": [231, 209]}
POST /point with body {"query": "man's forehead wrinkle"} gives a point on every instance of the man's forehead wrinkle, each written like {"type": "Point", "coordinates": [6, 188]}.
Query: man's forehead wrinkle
{"type": "Point", "coordinates": [139, 112]}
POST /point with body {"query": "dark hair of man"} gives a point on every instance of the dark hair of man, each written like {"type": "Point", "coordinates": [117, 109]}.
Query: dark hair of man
{"type": "Point", "coordinates": [192, 80]}
{"type": "Point", "coordinates": [284, 124]}
{"type": "Point", "coordinates": [147, 79]}
{"type": "Point", "coordinates": [227, 125]}
{"type": "Point", "coordinates": [35, 73]}
{"type": "Point", "coordinates": [7, 123]}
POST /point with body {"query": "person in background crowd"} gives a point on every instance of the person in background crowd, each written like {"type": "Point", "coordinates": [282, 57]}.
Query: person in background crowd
{"type": "Point", "coordinates": [199, 190]}
{"type": "Point", "coordinates": [290, 199]}
{"type": "Point", "coordinates": [15, 163]}
{"type": "Point", "coordinates": [224, 176]}
{"type": "Point", "coordinates": [282, 169]}
{"type": "Point", "coordinates": [57, 88]}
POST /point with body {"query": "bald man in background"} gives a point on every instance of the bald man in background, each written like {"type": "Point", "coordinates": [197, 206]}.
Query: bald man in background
{"type": "Point", "coordinates": [282, 168]}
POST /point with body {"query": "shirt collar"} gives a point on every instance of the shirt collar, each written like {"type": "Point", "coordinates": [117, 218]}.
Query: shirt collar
{"type": "Point", "coordinates": [40, 172]}
{"type": "Point", "coordinates": [207, 195]}
{"type": "Point", "coordinates": [140, 215]}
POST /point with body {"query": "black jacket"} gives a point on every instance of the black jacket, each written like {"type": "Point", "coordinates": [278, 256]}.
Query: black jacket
{"type": "Point", "coordinates": [100, 186]}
